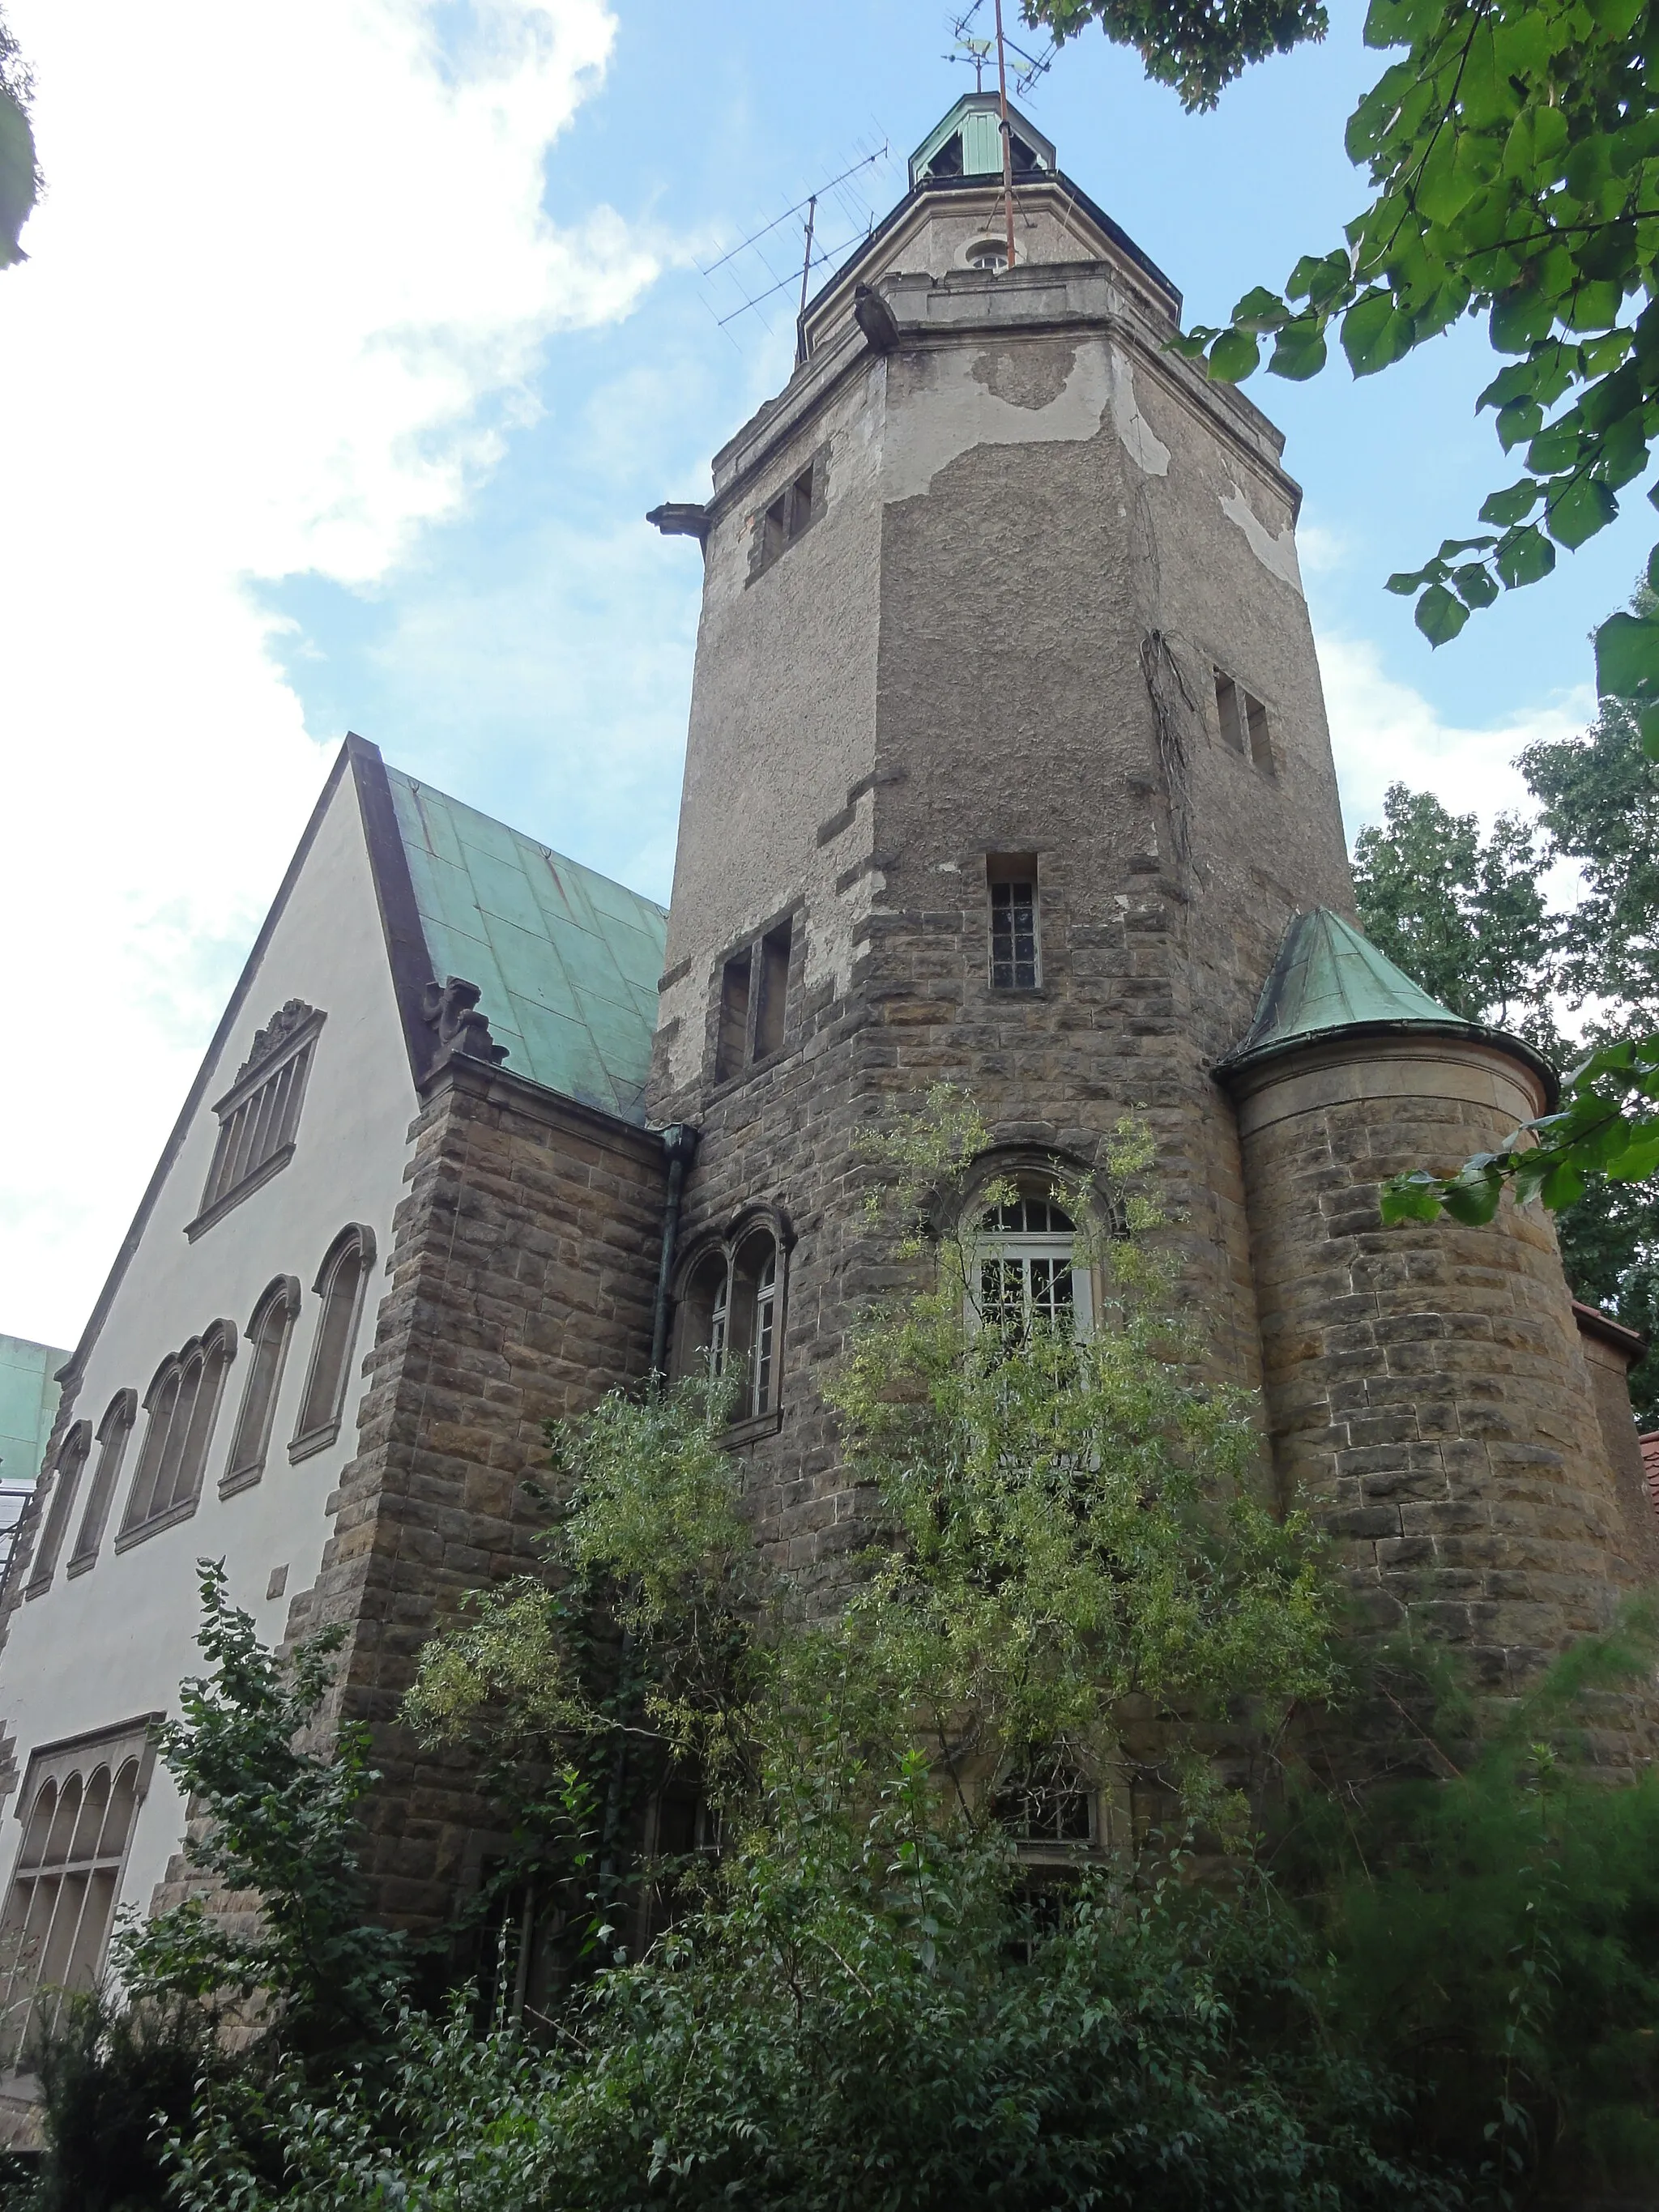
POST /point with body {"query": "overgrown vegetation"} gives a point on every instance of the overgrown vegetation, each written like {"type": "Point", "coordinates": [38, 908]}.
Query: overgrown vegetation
{"type": "Point", "coordinates": [906, 1976]}
{"type": "Point", "coordinates": [1465, 915]}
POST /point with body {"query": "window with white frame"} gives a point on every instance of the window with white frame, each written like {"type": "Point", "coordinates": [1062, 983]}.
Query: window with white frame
{"type": "Point", "coordinates": [730, 1318]}
{"type": "Point", "coordinates": [259, 1113]}
{"type": "Point", "coordinates": [1024, 1273]}
{"type": "Point", "coordinates": [77, 1806]}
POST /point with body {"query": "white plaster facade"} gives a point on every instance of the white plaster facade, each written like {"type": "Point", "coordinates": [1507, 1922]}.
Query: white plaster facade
{"type": "Point", "coordinates": [100, 1648]}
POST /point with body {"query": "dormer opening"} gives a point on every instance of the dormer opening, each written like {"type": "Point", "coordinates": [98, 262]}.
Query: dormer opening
{"type": "Point", "coordinates": [968, 143]}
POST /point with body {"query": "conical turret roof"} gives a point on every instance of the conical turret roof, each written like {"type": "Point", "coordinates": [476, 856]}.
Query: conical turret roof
{"type": "Point", "coordinates": [1328, 979]}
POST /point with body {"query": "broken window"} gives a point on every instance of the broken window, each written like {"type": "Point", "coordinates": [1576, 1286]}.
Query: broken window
{"type": "Point", "coordinates": [1013, 879]}
{"type": "Point", "coordinates": [796, 506]}
{"type": "Point", "coordinates": [1244, 721]}
{"type": "Point", "coordinates": [1045, 1800]}
{"type": "Point", "coordinates": [754, 999]}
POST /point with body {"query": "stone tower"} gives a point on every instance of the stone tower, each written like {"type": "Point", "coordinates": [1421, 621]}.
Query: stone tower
{"type": "Point", "coordinates": [1008, 765]}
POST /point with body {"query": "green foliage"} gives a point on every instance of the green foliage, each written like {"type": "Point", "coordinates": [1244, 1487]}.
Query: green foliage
{"type": "Point", "coordinates": [107, 2076]}
{"type": "Point", "coordinates": [20, 171]}
{"type": "Point", "coordinates": [1462, 916]}
{"type": "Point", "coordinates": [1467, 921]}
{"type": "Point", "coordinates": [282, 1822]}
{"type": "Point", "coordinates": [872, 2019]}
{"type": "Point", "coordinates": [1512, 149]}
{"type": "Point", "coordinates": [1198, 46]}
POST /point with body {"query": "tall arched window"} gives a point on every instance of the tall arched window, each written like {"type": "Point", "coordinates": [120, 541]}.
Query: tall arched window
{"type": "Point", "coordinates": [65, 1482]}
{"type": "Point", "coordinates": [1024, 1273]}
{"type": "Point", "coordinates": [341, 1282]}
{"type": "Point", "coordinates": [268, 1334]}
{"type": "Point", "coordinates": [113, 1430]}
{"type": "Point", "coordinates": [182, 1404]}
{"type": "Point", "coordinates": [729, 1320]}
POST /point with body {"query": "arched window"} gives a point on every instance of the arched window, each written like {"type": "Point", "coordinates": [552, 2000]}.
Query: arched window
{"type": "Point", "coordinates": [341, 1282]}
{"type": "Point", "coordinates": [1024, 1273]}
{"type": "Point", "coordinates": [65, 1482]}
{"type": "Point", "coordinates": [268, 1334]}
{"type": "Point", "coordinates": [113, 1430]}
{"type": "Point", "coordinates": [182, 1404]}
{"type": "Point", "coordinates": [77, 1808]}
{"type": "Point", "coordinates": [730, 1316]}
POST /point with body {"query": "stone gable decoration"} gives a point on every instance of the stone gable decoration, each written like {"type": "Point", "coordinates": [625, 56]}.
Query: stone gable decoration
{"type": "Point", "coordinates": [450, 1010]}
{"type": "Point", "coordinates": [284, 1025]}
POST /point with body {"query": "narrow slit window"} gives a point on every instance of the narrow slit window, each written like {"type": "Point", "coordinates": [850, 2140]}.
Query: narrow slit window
{"type": "Point", "coordinates": [114, 1432]}
{"type": "Point", "coordinates": [787, 515]}
{"type": "Point", "coordinates": [732, 1047]}
{"type": "Point", "coordinates": [341, 1283]}
{"type": "Point", "coordinates": [65, 1482]}
{"type": "Point", "coordinates": [774, 965]}
{"type": "Point", "coordinates": [1244, 721]}
{"type": "Point", "coordinates": [268, 1336]}
{"type": "Point", "coordinates": [1016, 963]}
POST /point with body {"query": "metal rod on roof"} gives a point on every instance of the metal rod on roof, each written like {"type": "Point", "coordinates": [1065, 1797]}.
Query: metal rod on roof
{"type": "Point", "coordinates": [1007, 136]}
{"type": "Point", "coordinates": [806, 273]}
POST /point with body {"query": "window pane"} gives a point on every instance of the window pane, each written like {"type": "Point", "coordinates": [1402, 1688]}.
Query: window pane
{"type": "Point", "coordinates": [1013, 937]}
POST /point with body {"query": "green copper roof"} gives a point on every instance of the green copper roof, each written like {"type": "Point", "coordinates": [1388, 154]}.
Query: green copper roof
{"type": "Point", "coordinates": [1329, 977]}
{"type": "Point", "coordinates": [28, 1404]}
{"type": "Point", "coordinates": [565, 960]}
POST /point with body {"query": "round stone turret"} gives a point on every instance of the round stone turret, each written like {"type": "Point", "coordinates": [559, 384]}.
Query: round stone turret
{"type": "Point", "coordinates": [1425, 1390]}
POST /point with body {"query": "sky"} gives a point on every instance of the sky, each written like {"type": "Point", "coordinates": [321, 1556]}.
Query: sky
{"type": "Point", "coordinates": [355, 338]}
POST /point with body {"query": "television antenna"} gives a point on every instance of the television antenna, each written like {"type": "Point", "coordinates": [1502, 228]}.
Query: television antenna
{"type": "Point", "coordinates": [976, 50]}
{"type": "Point", "coordinates": [751, 270]}
{"type": "Point", "coordinates": [969, 46]}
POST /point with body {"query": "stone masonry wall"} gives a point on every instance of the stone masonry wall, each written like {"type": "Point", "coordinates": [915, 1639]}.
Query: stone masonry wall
{"type": "Point", "coordinates": [1425, 1390]}
{"type": "Point", "coordinates": [521, 1279]}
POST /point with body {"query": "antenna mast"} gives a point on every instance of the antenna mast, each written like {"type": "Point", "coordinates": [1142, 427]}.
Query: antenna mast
{"type": "Point", "coordinates": [1007, 136]}
{"type": "Point", "coordinates": [805, 277]}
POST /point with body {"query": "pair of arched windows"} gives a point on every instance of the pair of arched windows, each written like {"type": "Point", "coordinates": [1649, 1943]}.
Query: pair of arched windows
{"type": "Point", "coordinates": [729, 1318]}
{"type": "Point", "coordinates": [181, 1409]}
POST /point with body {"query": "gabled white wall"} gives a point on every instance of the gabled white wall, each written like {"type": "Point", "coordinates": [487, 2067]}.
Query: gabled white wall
{"type": "Point", "coordinates": [115, 1642]}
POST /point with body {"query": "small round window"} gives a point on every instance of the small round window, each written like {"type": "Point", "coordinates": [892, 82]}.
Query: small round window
{"type": "Point", "coordinates": [988, 254]}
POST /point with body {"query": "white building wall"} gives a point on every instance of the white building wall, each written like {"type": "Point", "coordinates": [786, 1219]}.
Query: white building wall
{"type": "Point", "coordinates": [113, 1643]}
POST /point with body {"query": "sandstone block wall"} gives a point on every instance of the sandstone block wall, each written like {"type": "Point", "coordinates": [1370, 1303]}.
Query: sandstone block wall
{"type": "Point", "coordinates": [521, 1280]}
{"type": "Point", "coordinates": [1425, 1390]}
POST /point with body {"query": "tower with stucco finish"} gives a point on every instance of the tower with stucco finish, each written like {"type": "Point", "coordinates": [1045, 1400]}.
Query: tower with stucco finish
{"type": "Point", "coordinates": [970, 581]}
{"type": "Point", "coordinates": [999, 584]}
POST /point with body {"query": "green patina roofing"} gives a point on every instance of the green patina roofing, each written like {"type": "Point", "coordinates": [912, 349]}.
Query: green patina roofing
{"type": "Point", "coordinates": [1329, 977]}
{"type": "Point", "coordinates": [28, 1404]}
{"type": "Point", "coordinates": [565, 960]}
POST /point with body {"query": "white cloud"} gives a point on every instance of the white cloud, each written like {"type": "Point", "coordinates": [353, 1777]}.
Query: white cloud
{"type": "Point", "coordinates": [286, 293]}
{"type": "Point", "coordinates": [1383, 731]}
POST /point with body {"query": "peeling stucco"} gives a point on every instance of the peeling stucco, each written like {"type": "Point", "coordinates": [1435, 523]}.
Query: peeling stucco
{"type": "Point", "coordinates": [963, 408]}
{"type": "Point", "coordinates": [1276, 554]}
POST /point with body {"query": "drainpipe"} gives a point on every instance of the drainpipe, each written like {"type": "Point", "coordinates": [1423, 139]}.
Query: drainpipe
{"type": "Point", "coordinates": [679, 1144]}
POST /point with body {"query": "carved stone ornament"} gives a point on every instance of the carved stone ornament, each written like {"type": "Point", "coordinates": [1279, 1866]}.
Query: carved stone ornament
{"type": "Point", "coordinates": [452, 1009]}
{"type": "Point", "coordinates": [276, 1032]}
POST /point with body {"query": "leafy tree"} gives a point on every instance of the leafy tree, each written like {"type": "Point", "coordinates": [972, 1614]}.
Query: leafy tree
{"type": "Point", "coordinates": [1466, 920]}
{"type": "Point", "coordinates": [276, 1823]}
{"type": "Point", "coordinates": [20, 171]}
{"type": "Point", "coordinates": [1463, 915]}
